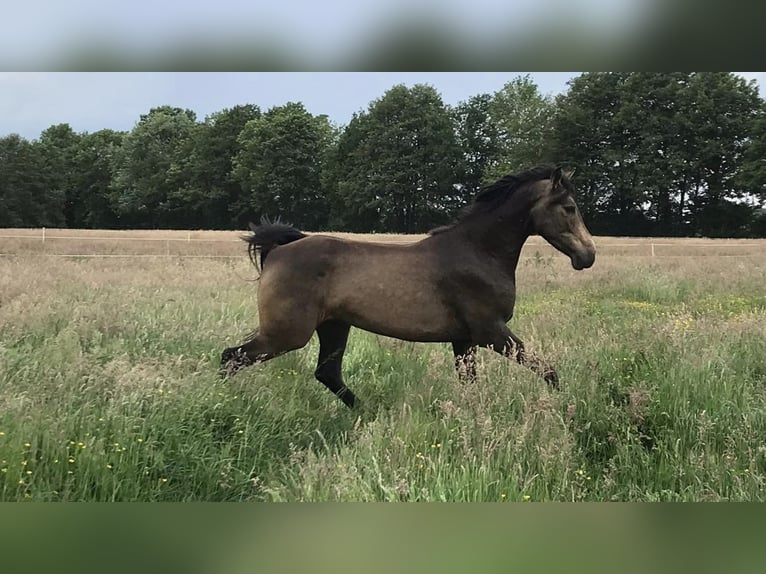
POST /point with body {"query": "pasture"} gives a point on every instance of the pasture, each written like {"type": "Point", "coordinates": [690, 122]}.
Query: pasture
{"type": "Point", "coordinates": [109, 387]}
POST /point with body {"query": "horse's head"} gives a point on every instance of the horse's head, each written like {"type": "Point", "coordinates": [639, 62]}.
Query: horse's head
{"type": "Point", "coordinates": [556, 217]}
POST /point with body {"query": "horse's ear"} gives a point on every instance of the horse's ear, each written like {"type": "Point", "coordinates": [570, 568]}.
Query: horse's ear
{"type": "Point", "coordinates": [556, 178]}
{"type": "Point", "coordinates": [570, 173]}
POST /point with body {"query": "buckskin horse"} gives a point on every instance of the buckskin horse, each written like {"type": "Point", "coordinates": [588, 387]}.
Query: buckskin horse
{"type": "Point", "coordinates": [458, 285]}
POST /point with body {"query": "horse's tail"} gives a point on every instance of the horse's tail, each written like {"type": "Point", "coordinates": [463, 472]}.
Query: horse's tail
{"type": "Point", "coordinates": [267, 236]}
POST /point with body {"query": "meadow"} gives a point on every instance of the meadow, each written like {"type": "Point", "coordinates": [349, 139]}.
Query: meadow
{"type": "Point", "coordinates": [109, 389]}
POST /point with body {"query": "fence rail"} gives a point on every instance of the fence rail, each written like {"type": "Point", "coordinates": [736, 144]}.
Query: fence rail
{"type": "Point", "coordinates": [181, 244]}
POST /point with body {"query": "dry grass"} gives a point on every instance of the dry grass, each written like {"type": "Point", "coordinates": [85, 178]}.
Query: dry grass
{"type": "Point", "coordinates": [228, 243]}
{"type": "Point", "coordinates": [662, 360]}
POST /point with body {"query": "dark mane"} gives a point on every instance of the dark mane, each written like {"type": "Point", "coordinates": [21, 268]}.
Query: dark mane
{"type": "Point", "coordinates": [492, 196]}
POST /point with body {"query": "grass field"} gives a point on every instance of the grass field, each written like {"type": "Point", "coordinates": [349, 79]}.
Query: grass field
{"type": "Point", "coordinates": [109, 386]}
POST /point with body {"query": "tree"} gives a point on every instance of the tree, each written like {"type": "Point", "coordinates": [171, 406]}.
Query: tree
{"type": "Point", "coordinates": [279, 165]}
{"type": "Point", "coordinates": [94, 163]}
{"type": "Point", "coordinates": [26, 199]}
{"type": "Point", "coordinates": [214, 198]}
{"type": "Point", "coordinates": [752, 176]}
{"type": "Point", "coordinates": [479, 139]}
{"type": "Point", "coordinates": [397, 163]}
{"type": "Point", "coordinates": [523, 118]}
{"type": "Point", "coordinates": [661, 151]}
{"type": "Point", "coordinates": [58, 145]}
{"type": "Point", "coordinates": [150, 178]}
{"type": "Point", "coordinates": [589, 135]}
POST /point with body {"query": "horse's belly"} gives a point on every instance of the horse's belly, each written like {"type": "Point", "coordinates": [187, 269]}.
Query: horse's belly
{"type": "Point", "coordinates": [412, 319]}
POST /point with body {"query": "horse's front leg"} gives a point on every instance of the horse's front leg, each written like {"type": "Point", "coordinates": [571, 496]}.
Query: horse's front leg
{"type": "Point", "coordinates": [501, 340]}
{"type": "Point", "coordinates": [465, 360]}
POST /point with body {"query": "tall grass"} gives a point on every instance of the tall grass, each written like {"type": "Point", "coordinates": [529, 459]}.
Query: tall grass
{"type": "Point", "coordinates": [109, 391]}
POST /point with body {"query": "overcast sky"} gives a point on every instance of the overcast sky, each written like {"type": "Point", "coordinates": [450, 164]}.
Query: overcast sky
{"type": "Point", "coordinates": [31, 102]}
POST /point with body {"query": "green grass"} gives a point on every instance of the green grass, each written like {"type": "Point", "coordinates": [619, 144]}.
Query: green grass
{"type": "Point", "coordinates": [109, 391]}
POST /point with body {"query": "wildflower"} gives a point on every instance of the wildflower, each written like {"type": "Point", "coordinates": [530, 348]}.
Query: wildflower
{"type": "Point", "coordinates": [3, 469]}
{"type": "Point", "coordinates": [163, 480]}
{"type": "Point", "coordinates": [2, 433]}
{"type": "Point", "coordinates": [240, 432]}
{"type": "Point", "coordinates": [29, 472]}
{"type": "Point", "coordinates": [140, 440]}
{"type": "Point", "coordinates": [71, 460]}
{"type": "Point", "coordinates": [21, 481]}
{"type": "Point", "coordinates": [69, 472]}
{"type": "Point", "coordinates": [581, 472]}
{"type": "Point", "coordinates": [24, 462]}
{"type": "Point", "coordinates": [27, 445]}
{"type": "Point", "coordinates": [503, 496]}
{"type": "Point", "coordinates": [27, 495]}
{"type": "Point", "coordinates": [419, 455]}
{"type": "Point", "coordinates": [525, 498]}
{"type": "Point", "coordinates": [81, 444]}
{"type": "Point", "coordinates": [109, 466]}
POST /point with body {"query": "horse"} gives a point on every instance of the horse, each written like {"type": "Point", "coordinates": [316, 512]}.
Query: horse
{"type": "Point", "coordinates": [457, 285]}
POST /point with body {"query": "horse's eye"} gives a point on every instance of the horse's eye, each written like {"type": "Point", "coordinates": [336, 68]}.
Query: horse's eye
{"type": "Point", "coordinates": [570, 208]}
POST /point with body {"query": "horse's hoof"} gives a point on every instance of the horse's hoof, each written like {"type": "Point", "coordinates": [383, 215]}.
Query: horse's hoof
{"type": "Point", "coordinates": [552, 378]}
{"type": "Point", "coordinates": [232, 360]}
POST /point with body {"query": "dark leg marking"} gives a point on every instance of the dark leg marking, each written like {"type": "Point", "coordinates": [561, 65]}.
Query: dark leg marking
{"type": "Point", "coordinates": [504, 342]}
{"type": "Point", "coordinates": [465, 360]}
{"type": "Point", "coordinates": [333, 336]}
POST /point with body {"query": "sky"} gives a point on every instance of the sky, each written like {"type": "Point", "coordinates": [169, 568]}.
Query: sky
{"type": "Point", "coordinates": [33, 101]}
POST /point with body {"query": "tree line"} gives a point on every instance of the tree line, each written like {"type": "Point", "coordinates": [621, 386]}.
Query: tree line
{"type": "Point", "coordinates": [653, 153]}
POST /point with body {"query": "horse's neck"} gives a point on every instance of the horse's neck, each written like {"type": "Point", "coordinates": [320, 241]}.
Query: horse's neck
{"type": "Point", "coordinates": [503, 237]}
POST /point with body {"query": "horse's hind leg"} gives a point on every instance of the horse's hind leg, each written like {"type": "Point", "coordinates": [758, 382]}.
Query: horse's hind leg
{"type": "Point", "coordinates": [333, 336]}
{"type": "Point", "coordinates": [465, 360]}
{"type": "Point", "coordinates": [254, 350]}
{"type": "Point", "coordinates": [263, 346]}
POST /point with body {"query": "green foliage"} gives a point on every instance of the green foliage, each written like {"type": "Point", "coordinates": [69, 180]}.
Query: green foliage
{"type": "Point", "coordinates": [150, 176]}
{"type": "Point", "coordinates": [397, 163]}
{"type": "Point", "coordinates": [279, 165]}
{"type": "Point", "coordinates": [213, 197]}
{"type": "Point", "coordinates": [656, 152]}
{"type": "Point", "coordinates": [29, 195]}
{"type": "Point", "coordinates": [94, 204]}
{"type": "Point", "coordinates": [479, 138]}
{"type": "Point", "coordinates": [676, 153]}
{"type": "Point", "coordinates": [523, 119]}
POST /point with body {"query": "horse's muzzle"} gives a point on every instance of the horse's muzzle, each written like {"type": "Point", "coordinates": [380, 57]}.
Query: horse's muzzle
{"type": "Point", "coordinates": [584, 260]}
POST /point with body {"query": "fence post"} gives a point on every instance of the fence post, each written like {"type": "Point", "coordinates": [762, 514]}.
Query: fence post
{"type": "Point", "coordinates": [188, 236]}
{"type": "Point", "coordinates": [652, 249]}
{"type": "Point", "coordinates": [43, 235]}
